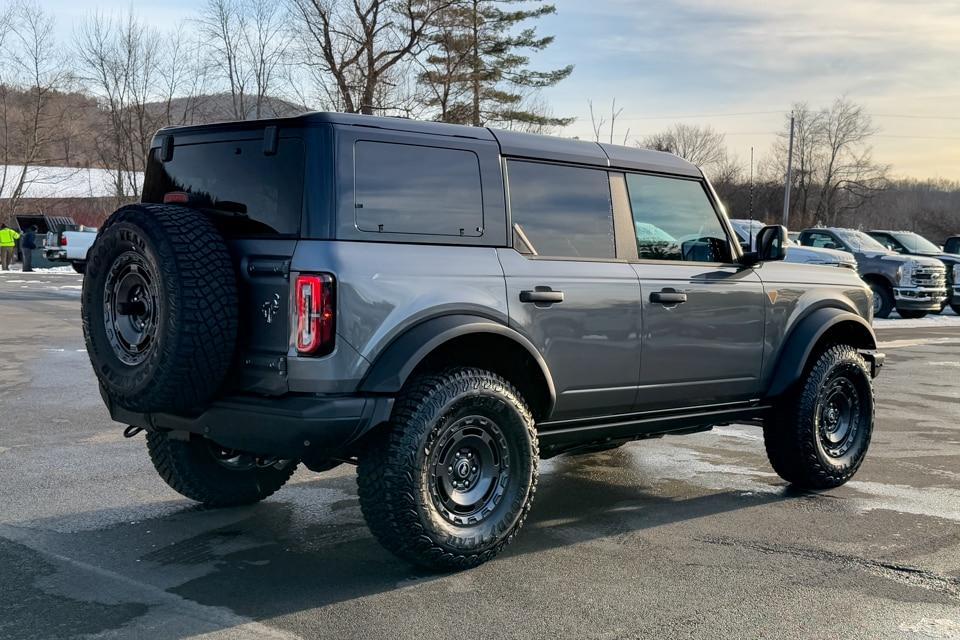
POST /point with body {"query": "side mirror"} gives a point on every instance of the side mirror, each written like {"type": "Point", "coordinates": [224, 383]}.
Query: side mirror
{"type": "Point", "coordinates": [771, 245]}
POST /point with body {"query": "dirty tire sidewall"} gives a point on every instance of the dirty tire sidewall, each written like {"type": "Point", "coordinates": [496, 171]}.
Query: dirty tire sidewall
{"type": "Point", "coordinates": [187, 466]}
{"type": "Point", "coordinates": [195, 316]}
{"type": "Point", "coordinates": [394, 474]}
{"type": "Point", "coordinates": [792, 438]}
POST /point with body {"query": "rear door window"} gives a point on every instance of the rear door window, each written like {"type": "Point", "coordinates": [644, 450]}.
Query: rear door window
{"type": "Point", "coordinates": [263, 192]}
{"type": "Point", "coordinates": [403, 188]}
{"type": "Point", "coordinates": [561, 211]}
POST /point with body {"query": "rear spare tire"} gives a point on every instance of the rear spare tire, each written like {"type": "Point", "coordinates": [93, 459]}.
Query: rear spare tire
{"type": "Point", "coordinates": [159, 308]}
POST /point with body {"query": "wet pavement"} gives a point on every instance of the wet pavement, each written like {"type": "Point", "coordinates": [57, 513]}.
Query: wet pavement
{"type": "Point", "coordinates": [683, 537]}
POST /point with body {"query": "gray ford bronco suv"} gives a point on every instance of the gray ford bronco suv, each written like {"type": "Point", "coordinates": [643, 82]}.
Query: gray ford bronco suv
{"type": "Point", "coordinates": [443, 306]}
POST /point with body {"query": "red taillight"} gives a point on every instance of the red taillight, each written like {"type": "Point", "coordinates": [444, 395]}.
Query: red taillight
{"type": "Point", "coordinates": [63, 241]}
{"type": "Point", "coordinates": [315, 314]}
{"type": "Point", "coordinates": [176, 197]}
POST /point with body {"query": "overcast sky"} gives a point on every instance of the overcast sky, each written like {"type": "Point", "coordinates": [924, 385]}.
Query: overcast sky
{"type": "Point", "coordinates": [665, 60]}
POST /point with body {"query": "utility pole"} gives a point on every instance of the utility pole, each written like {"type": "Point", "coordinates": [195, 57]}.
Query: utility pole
{"type": "Point", "coordinates": [789, 184]}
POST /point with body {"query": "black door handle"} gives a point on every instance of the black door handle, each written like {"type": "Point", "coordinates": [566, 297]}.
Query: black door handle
{"type": "Point", "coordinates": [668, 296]}
{"type": "Point", "coordinates": [541, 296]}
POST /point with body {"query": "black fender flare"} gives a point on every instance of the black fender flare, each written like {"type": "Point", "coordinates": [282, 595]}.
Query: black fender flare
{"type": "Point", "coordinates": [394, 365]}
{"type": "Point", "coordinates": [800, 343]}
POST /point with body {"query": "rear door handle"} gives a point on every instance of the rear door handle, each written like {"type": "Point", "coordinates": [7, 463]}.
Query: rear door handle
{"type": "Point", "coordinates": [541, 295]}
{"type": "Point", "coordinates": [668, 296]}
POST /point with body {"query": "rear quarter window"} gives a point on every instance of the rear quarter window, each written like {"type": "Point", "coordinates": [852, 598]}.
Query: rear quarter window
{"type": "Point", "coordinates": [263, 193]}
{"type": "Point", "coordinates": [404, 188]}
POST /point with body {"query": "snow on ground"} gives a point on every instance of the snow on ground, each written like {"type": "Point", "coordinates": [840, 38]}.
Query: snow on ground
{"type": "Point", "coordinates": [944, 320]}
{"type": "Point", "coordinates": [17, 270]}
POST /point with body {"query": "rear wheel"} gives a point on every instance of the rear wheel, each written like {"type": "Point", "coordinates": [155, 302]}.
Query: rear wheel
{"type": "Point", "coordinates": [882, 300]}
{"type": "Point", "coordinates": [450, 482]}
{"type": "Point", "coordinates": [907, 314]}
{"type": "Point", "coordinates": [202, 470]}
{"type": "Point", "coordinates": [818, 435]}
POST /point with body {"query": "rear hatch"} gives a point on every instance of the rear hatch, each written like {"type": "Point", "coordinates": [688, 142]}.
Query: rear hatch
{"type": "Point", "coordinates": [250, 181]}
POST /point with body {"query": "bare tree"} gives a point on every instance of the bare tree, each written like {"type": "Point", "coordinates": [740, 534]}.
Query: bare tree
{"type": "Point", "coordinates": [850, 176]}
{"type": "Point", "coordinates": [249, 41]}
{"type": "Point", "coordinates": [31, 115]}
{"type": "Point", "coordinates": [701, 145]}
{"type": "Point", "coordinates": [598, 123]}
{"type": "Point", "coordinates": [357, 44]}
{"type": "Point", "coordinates": [119, 61]}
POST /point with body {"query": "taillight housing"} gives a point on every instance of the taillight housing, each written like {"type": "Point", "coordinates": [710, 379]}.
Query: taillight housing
{"type": "Point", "coordinates": [63, 241]}
{"type": "Point", "coordinates": [316, 314]}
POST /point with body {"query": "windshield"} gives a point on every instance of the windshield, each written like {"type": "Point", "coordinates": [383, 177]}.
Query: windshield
{"type": "Point", "coordinates": [915, 243]}
{"type": "Point", "coordinates": [860, 241]}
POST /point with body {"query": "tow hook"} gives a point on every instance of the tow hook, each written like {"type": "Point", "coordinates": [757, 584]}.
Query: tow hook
{"type": "Point", "coordinates": [876, 360]}
{"type": "Point", "coordinates": [131, 431]}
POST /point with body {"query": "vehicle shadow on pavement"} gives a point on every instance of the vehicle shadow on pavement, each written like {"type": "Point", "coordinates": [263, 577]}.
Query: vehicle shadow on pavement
{"type": "Point", "coordinates": [308, 546]}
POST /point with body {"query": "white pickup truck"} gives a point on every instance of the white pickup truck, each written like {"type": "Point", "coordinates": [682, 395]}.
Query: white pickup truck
{"type": "Point", "coordinates": [70, 246]}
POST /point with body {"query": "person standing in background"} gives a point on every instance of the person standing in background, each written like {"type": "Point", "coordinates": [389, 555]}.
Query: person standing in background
{"type": "Point", "coordinates": [27, 245]}
{"type": "Point", "coordinates": [8, 245]}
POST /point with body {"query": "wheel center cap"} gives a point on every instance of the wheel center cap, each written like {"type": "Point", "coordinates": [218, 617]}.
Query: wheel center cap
{"type": "Point", "coordinates": [462, 469]}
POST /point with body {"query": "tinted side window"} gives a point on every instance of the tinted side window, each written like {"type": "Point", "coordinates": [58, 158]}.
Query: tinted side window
{"type": "Point", "coordinates": [401, 188]}
{"type": "Point", "coordinates": [674, 220]}
{"type": "Point", "coordinates": [561, 211]}
{"type": "Point", "coordinates": [820, 240]}
{"type": "Point", "coordinates": [888, 241]}
{"type": "Point", "coordinates": [263, 192]}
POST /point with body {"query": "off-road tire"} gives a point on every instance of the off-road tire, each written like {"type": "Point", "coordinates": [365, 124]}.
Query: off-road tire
{"type": "Point", "coordinates": [79, 267]}
{"type": "Point", "coordinates": [956, 308]}
{"type": "Point", "coordinates": [792, 435]}
{"type": "Point", "coordinates": [908, 314]}
{"type": "Point", "coordinates": [195, 317]}
{"type": "Point", "coordinates": [885, 295]}
{"type": "Point", "coordinates": [189, 467]}
{"type": "Point", "coordinates": [394, 475]}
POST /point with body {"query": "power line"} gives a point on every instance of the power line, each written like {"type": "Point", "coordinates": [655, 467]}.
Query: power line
{"type": "Point", "coordinates": [704, 115]}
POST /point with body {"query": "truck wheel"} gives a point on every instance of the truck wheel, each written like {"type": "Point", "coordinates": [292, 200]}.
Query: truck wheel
{"type": "Point", "coordinates": [956, 308]}
{"type": "Point", "coordinates": [79, 267]}
{"type": "Point", "coordinates": [882, 300]}
{"type": "Point", "coordinates": [159, 308]}
{"type": "Point", "coordinates": [450, 482]}
{"type": "Point", "coordinates": [819, 434]}
{"type": "Point", "coordinates": [907, 314]}
{"type": "Point", "coordinates": [201, 470]}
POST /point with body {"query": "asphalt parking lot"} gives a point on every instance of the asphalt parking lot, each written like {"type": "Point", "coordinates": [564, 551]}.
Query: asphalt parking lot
{"type": "Point", "coordinates": [683, 537]}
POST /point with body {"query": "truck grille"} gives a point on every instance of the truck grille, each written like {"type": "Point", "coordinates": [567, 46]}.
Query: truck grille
{"type": "Point", "coordinates": [930, 276]}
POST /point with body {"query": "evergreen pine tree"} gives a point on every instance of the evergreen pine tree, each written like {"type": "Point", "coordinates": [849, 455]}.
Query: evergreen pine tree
{"type": "Point", "coordinates": [477, 69]}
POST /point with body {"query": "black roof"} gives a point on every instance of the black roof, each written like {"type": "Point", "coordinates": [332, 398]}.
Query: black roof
{"type": "Point", "coordinates": [512, 143]}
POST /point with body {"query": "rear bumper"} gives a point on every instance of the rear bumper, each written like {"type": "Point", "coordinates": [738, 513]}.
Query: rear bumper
{"type": "Point", "coordinates": [292, 426]}
{"type": "Point", "coordinates": [55, 255]}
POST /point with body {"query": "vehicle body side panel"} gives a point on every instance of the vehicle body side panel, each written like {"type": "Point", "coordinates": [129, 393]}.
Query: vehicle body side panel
{"type": "Point", "coordinates": [794, 291]}
{"type": "Point", "coordinates": [590, 340]}
{"type": "Point", "coordinates": [708, 349]}
{"type": "Point", "coordinates": [384, 289]}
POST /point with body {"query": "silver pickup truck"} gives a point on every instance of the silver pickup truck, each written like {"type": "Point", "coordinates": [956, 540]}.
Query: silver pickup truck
{"type": "Point", "coordinates": [913, 285]}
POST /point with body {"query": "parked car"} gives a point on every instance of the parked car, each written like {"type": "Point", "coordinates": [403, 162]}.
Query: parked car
{"type": "Point", "coordinates": [747, 231]}
{"type": "Point", "coordinates": [70, 245]}
{"type": "Point", "coordinates": [913, 244]}
{"type": "Point", "coordinates": [443, 305]}
{"type": "Point", "coordinates": [952, 245]}
{"type": "Point", "coordinates": [913, 285]}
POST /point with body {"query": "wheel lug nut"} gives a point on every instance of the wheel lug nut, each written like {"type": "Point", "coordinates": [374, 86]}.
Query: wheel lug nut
{"type": "Point", "coordinates": [474, 469]}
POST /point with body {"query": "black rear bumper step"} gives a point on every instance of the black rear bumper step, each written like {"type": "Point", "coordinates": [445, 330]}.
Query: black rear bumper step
{"type": "Point", "coordinates": [294, 426]}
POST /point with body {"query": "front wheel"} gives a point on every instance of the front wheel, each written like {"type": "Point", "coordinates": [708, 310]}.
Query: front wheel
{"type": "Point", "coordinates": [818, 434]}
{"type": "Point", "coordinates": [451, 480]}
{"type": "Point", "coordinates": [202, 470]}
{"type": "Point", "coordinates": [882, 300]}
